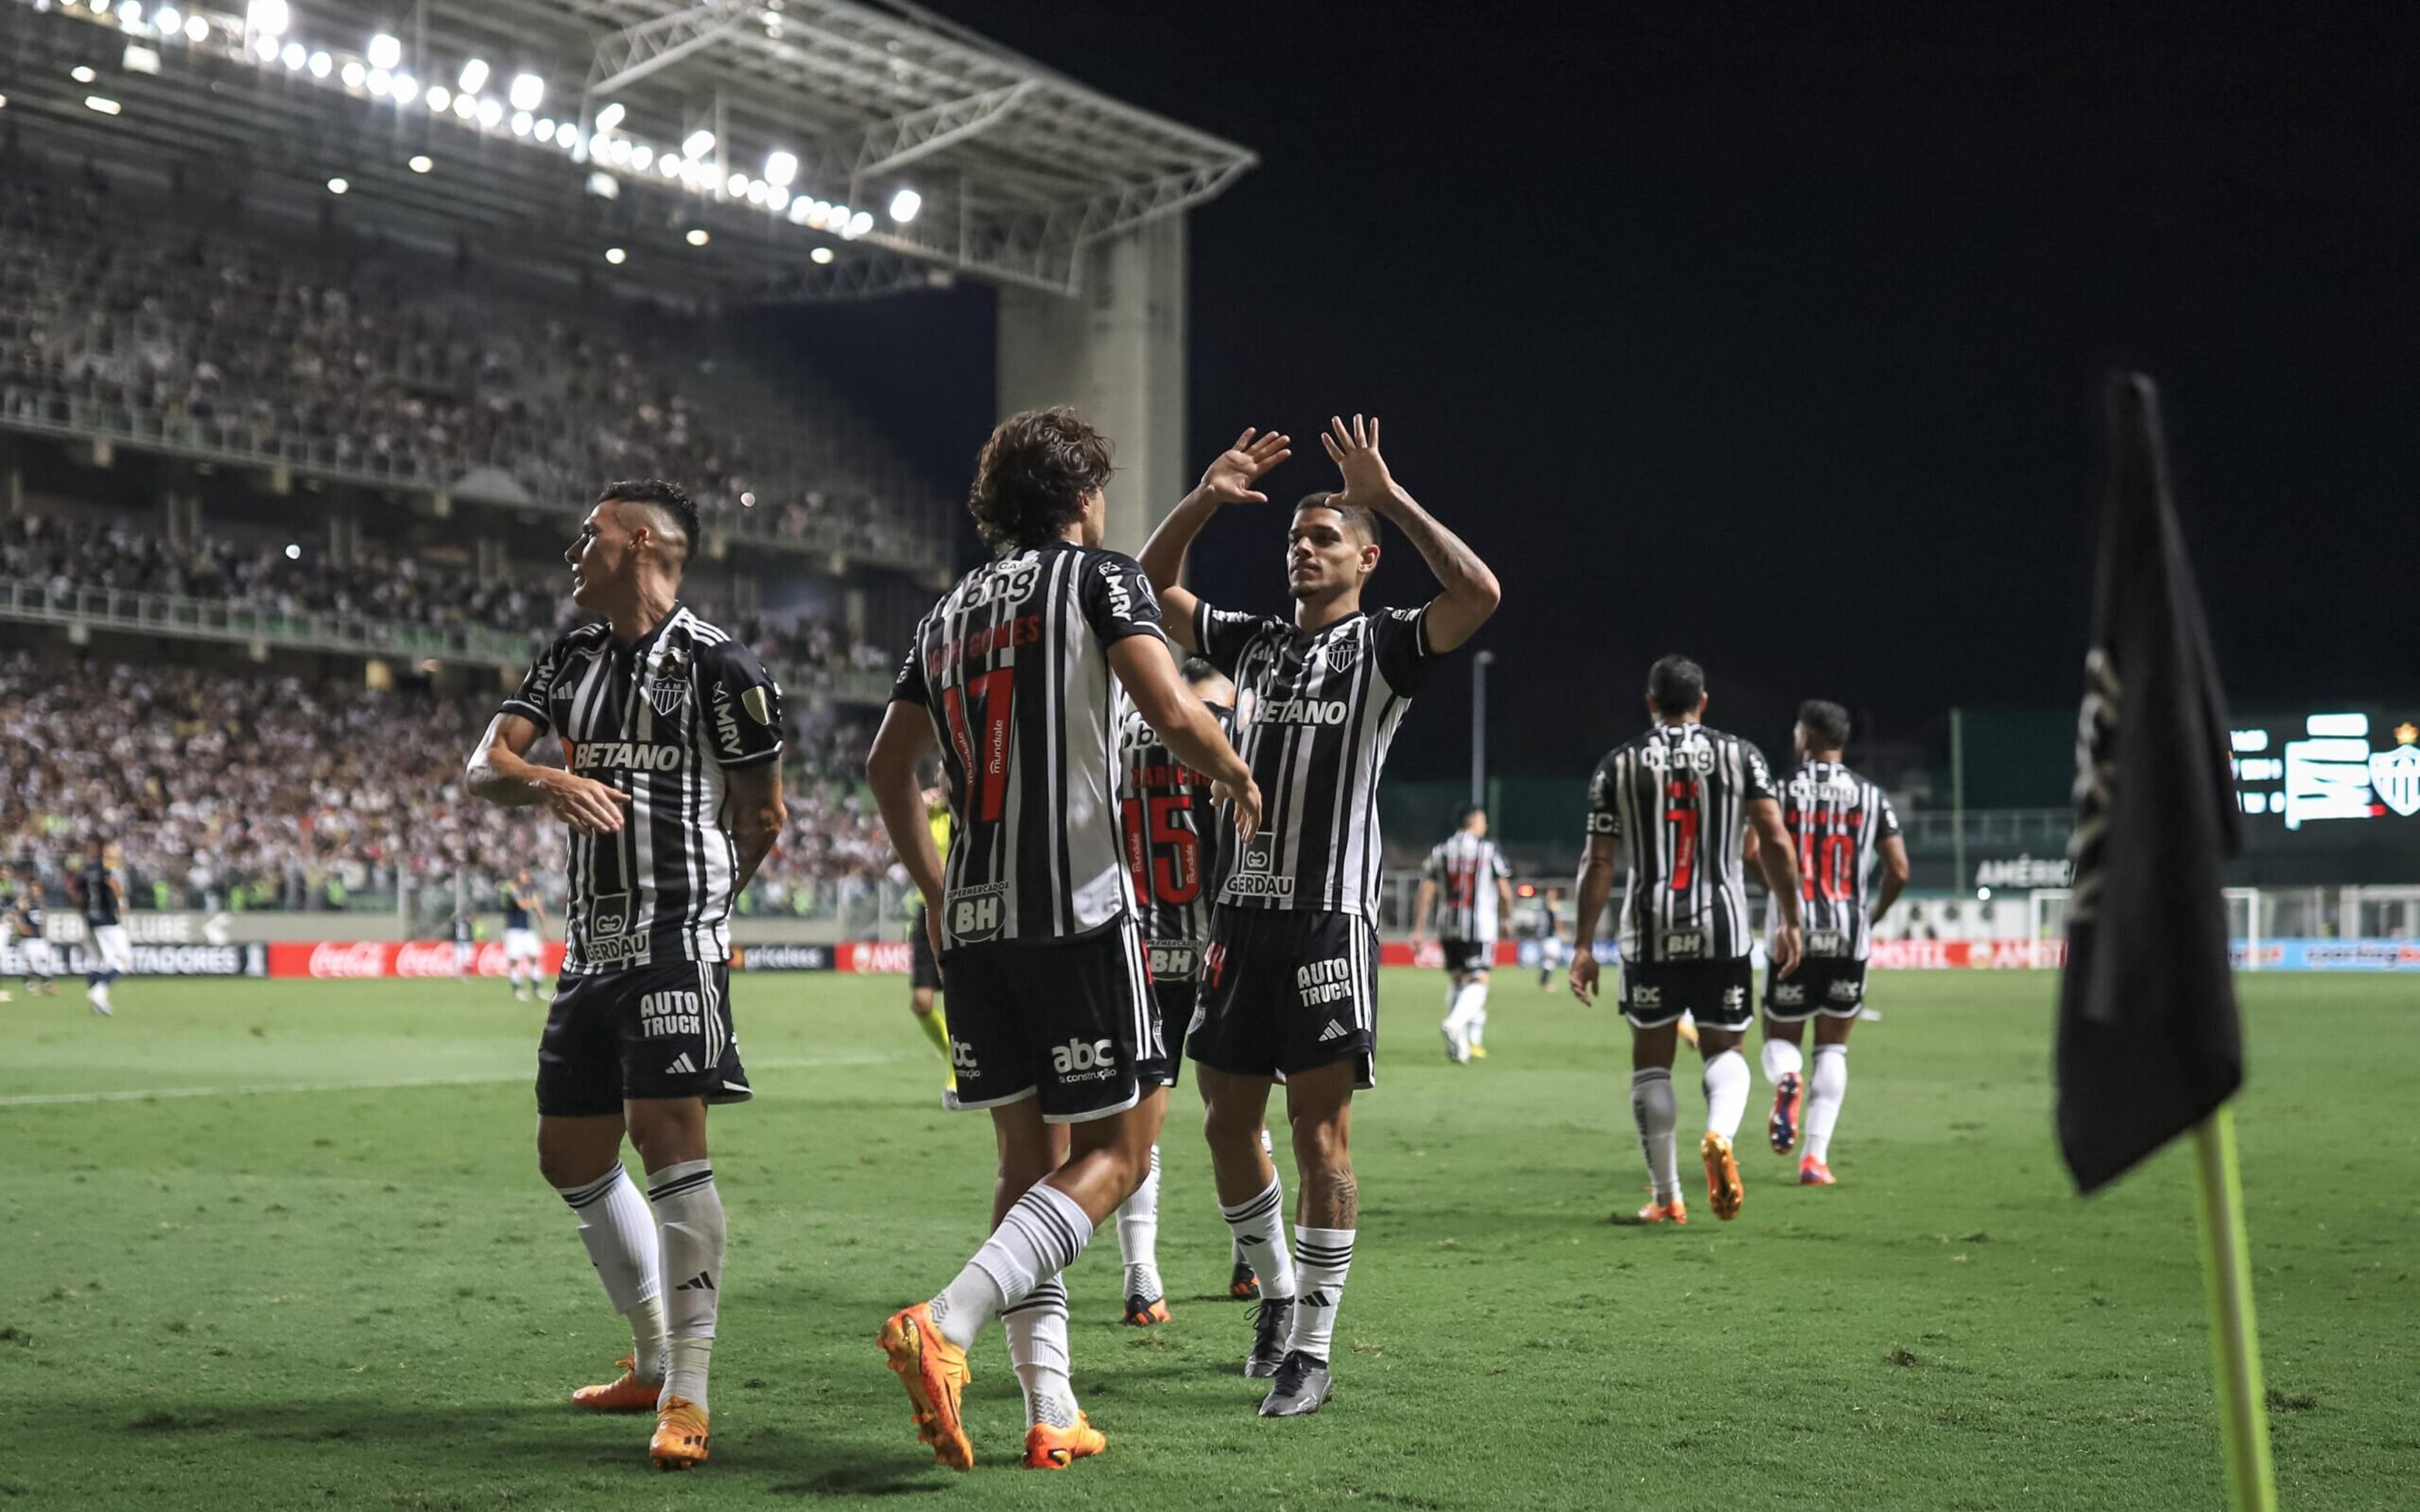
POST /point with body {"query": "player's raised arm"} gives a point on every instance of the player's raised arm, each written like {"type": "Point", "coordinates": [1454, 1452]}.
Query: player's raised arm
{"type": "Point", "coordinates": [1186, 724]}
{"type": "Point", "coordinates": [1471, 592]}
{"type": "Point", "coordinates": [1778, 860]}
{"type": "Point", "coordinates": [500, 772]}
{"type": "Point", "coordinates": [1227, 480]}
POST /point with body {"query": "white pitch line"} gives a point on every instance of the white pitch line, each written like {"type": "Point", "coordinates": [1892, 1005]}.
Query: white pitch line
{"type": "Point", "coordinates": [25, 1099]}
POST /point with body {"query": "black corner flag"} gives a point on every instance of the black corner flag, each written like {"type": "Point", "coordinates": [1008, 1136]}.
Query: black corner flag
{"type": "Point", "coordinates": [2148, 1045]}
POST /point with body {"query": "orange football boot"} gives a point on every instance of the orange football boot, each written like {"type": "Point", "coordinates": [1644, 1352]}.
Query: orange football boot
{"type": "Point", "coordinates": [1723, 1187]}
{"type": "Point", "coordinates": [627, 1392]}
{"type": "Point", "coordinates": [1813, 1172]}
{"type": "Point", "coordinates": [679, 1442]}
{"type": "Point", "coordinates": [1141, 1313]}
{"type": "Point", "coordinates": [1050, 1448]}
{"type": "Point", "coordinates": [935, 1372]}
{"type": "Point", "coordinates": [1674, 1211]}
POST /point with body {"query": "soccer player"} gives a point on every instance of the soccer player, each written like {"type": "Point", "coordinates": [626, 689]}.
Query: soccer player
{"type": "Point", "coordinates": [1839, 825]}
{"type": "Point", "coordinates": [100, 888]}
{"type": "Point", "coordinates": [1289, 978]}
{"type": "Point", "coordinates": [672, 791]}
{"type": "Point", "coordinates": [923, 967]}
{"type": "Point", "coordinates": [1164, 812]}
{"type": "Point", "coordinates": [466, 942]}
{"type": "Point", "coordinates": [525, 916]}
{"type": "Point", "coordinates": [1551, 951]}
{"type": "Point", "coordinates": [1673, 804]}
{"type": "Point", "coordinates": [1052, 1026]}
{"type": "Point", "coordinates": [21, 911]}
{"type": "Point", "coordinates": [1465, 873]}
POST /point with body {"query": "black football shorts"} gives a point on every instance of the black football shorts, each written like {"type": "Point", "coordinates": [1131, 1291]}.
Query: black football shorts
{"type": "Point", "coordinates": [654, 1031]}
{"type": "Point", "coordinates": [1070, 1021]}
{"type": "Point", "coordinates": [1286, 990]}
{"type": "Point", "coordinates": [1714, 993]}
{"type": "Point", "coordinates": [1833, 986]}
{"type": "Point", "coordinates": [923, 967]}
{"type": "Point", "coordinates": [1463, 957]}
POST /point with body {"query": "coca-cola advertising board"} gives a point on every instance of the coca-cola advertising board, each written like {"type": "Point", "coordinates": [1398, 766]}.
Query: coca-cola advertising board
{"type": "Point", "coordinates": [326, 959]}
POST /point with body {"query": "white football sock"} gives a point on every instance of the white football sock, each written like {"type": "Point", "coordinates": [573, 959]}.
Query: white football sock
{"type": "Point", "coordinates": [1479, 1015]}
{"type": "Point", "coordinates": [1037, 1351]}
{"type": "Point", "coordinates": [689, 1223]}
{"type": "Point", "coordinates": [1781, 1059]}
{"type": "Point", "coordinates": [1139, 1235]}
{"type": "Point", "coordinates": [1726, 1083]}
{"type": "Point", "coordinates": [1259, 1227]}
{"type": "Point", "coordinates": [1324, 1255]}
{"type": "Point", "coordinates": [1040, 1236]}
{"type": "Point", "coordinates": [1829, 1084]}
{"type": "Point", "coordinates": [619, 1233]}
{"type": "Point", "coordinates": [1656, 1112]}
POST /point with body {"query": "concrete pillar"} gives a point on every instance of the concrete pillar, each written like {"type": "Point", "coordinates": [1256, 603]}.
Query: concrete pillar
{"type": "Point", "coordinates": [1115, 351]}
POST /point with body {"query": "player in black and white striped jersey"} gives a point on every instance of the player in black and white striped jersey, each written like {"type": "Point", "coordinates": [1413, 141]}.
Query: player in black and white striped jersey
{"type": "Point", "coordinates": [672, 789]}
{"type": "Point", "coordinates": [1673, 805]}
{"type": "Point", "coordinates": [1841, 827]}
{"type": "Point", "coordinates": [1052, 1026]}
{"type": "Point", "coordinates": [1288, 981]}
{"type": "Point", "coordinates": [1465, 885]}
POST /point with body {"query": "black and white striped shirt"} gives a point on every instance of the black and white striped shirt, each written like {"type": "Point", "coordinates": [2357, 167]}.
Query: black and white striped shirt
{"type": "Point", "coordinates": [1323, 706]}
{"type": "Point", "coordinates": [1677, 798]}
{"type": "Point", "coordinates": [1171, 834]}
{"type": "Point", "coordinates": [1838, 821]}
{"type": "Point", "coordinates": [662, 721]}
{"type": "Point", "coordinates": [1013, 667]}
{"type": "Point", "coordinates": [1465, 869]}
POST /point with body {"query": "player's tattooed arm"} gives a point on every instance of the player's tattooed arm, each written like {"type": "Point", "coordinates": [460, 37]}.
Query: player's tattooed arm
{"type": "Point", "coordinates": [1778, 860]}
{"type": "Point", "coordinates": [752, 796]}
{"type": "Point", "coordinates": [1471, 592]}
{"type": "Point", "coordinates": [1595, 888]}
{"type": "Point", "coordinates": [1227, 480]}
{"type": "Point", "coordinates": [499, 771]}
{"type": "Point", "coordinates": [900, 747]}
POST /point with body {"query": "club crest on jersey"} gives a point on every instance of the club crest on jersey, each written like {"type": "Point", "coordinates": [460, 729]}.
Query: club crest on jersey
{"type": "Point", "coordinates": [666, 695]}
{"type": "Point", "coordinates": [1338, 655]}
{"type": "Point", "coordinates": [2395, 777]}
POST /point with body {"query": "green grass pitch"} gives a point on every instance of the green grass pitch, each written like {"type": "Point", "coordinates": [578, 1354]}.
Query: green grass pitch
{"type": "Point", "coordinates": [358, 1294]}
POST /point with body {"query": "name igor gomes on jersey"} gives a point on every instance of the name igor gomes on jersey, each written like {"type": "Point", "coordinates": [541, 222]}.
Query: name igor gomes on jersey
{"type": "Point", "coordinates": [1011, 666]}
{"type": "Point", "coordinates": [1677, 798]}
{"type": "Point", "coordinates": [662, 720]}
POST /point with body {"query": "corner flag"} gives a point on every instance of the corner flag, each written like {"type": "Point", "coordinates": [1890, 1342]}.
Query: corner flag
{"type": "Point", "coordinates": [2148, 1044]}
{"type": "Point", "coordinates": [2148, 1041]}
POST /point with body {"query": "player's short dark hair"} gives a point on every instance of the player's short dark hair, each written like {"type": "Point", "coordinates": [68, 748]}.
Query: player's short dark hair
{"type": "Point", "coordinates": [1034, 476]}
{"type": "Point", "coordinates": [1357, 521]}
{"type": "Point", "coordinates": [1462, 815]}
{"type": "Point", "coordinates": [1198, 670]}
{"type": "Point", "coordinates": [669, 496]}
{"type": "Point", "coordinates": [1828, 724]}
{"type": "Point", "coordinates": [1675, 684]}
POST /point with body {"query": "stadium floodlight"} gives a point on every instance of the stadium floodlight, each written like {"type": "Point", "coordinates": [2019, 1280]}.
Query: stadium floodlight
{"type": "Point", "coordinates": [781, 168]}
{"type": "Point", "coordinates": [82, 74]}
{"type": "Point", "coordinates": [379, 80]}
{"type": "Point", "coordinates": [474, 73]}
{"type": "Point", "coordinates": [642, 158]}
{"type": "Point", "coordinates": [617, 257]}
{"type": "Point", "coordinates": [610, 116]}
{"type": "Point", "coordinates": [100, 105]}
{"type": "Point", "coordinates": [385, 52]}
{"type": "Point", "coordinates": [759, 192]}
{"type": "Point", "coordinates": [441, 99]}
{"type": "Point", "coordinates": [130, 13]}
{"type": "Point", "coordinates": [904, 206]}
{"type": "Point", "coordinates": [604, 185]}
{"type": "Point", "coordinates": [545, 127]}
{"type": "Point", "coordinates": [492, 113]}
{"type": "Point", "coordinates": [337, 186]}
{"type": "Point", "coordinates": [405, 88]}
{"type": "Point", "coordinates": [466, 106]}
{"type": "Point", "coordinates": [697, 236]}
{"type": "Point", "coordinates": [294, 54]}
{"type": "Point", "coordinates": [264, 47]}
{"type": "Point", "coordinates": [776, 197]}
{"type": "Point", "coordinates": [421, 162]}
{"type": "Point", "coordinates": [800, 208]}
{"type": "Point", "coordinates": [197, 29]}
{"type": "Point", "coordinates": [566, 135]}
{"type": "Point", "coordinates": [169, 21]}
{"type": "Point", "coordinates": [527, 90]}
{"type": "Point", "coordinates": [268, 17]}
{"type": "Point", "coordinates": [322, 64]}
{"type": "Point", "coordinates": [670, 165]}
{"type": "Point", "coordinates": [620, 151]}
{"type": "Point", "coordinates": [522, 123]}
{"type": "Point", "coordinates": [293, 551]}
{"type": "Point", "coordinates": [139, 59]}
{"type": "Point", "coordinates": [821, 256]}
{"type": "Point", "coordinates": [735, 185]}
{"type": "Point", "coordinates": [354, 73]}
{"type": "Point", "coordinates": [859, 223]}
{"type": "Point", "coordinates": [700, 143]}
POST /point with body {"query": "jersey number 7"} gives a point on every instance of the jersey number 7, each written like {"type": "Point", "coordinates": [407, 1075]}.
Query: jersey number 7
{"type": "Point", "coordinates": [995, 698]}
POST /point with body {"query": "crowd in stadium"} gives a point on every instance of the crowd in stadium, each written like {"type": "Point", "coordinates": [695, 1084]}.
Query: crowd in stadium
{"type": "Point", "coordinates": [64, 555]}
{"type": "Point", "coordinates": [230, 790]}
{"type": "Point", "coordinates": [369, 364]}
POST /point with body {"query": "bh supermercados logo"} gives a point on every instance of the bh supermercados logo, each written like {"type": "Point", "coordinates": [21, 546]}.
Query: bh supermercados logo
{"type": "Point", "coordinates": [2395, 774]}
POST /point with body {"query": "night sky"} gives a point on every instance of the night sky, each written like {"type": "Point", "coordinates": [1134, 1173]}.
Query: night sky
{"type": "Point", "coordinates": [1775, 334]}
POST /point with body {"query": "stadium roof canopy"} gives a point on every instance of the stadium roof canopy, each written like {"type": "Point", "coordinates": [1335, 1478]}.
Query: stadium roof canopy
{"type": "Point", "coordinates": [795, 148]}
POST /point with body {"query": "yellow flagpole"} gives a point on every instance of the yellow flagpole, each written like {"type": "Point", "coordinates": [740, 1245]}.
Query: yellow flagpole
{"type": "Point", "coordinates": [2234, 1341]}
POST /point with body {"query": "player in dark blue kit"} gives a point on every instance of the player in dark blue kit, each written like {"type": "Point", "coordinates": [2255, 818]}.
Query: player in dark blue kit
{"type": "Point", "coordinates": [100, 894]}
{"type": "Point", "coordinates": [21, 917]}
{"type": "Point", "coordinates": [524, 916]}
